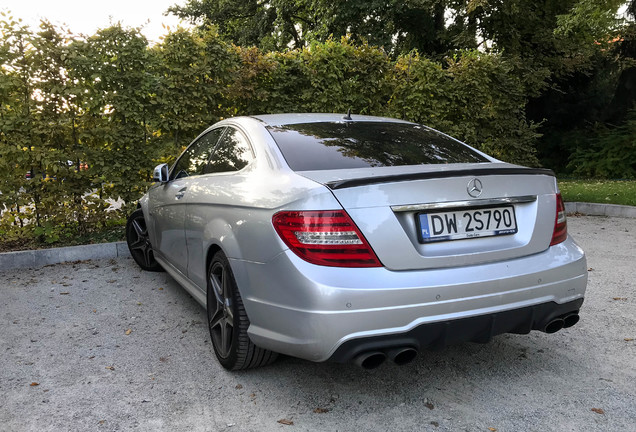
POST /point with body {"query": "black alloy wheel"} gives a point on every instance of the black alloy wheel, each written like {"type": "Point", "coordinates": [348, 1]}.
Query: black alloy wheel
{"type": "Point", "coordinates": [139, 242]}
{"type": "Point", "coordinates": [228, 322]}
{"type": "Point", "coordinates": [222, 318]}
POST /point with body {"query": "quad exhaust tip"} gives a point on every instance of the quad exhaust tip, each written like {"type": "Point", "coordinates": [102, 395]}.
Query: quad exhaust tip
{"type": "Point", "coordinates": [402, 356]}
{"type": "Point", "coordinates": [570, 320]}
{"type": "Point", "coordinates": [370, 360]}
{"type": "Point", "coordinates": [373, 359]}
{"type": "Point", "coordinates": [564, 321]}
{"type": "Point", "coordinates": [553, 326]}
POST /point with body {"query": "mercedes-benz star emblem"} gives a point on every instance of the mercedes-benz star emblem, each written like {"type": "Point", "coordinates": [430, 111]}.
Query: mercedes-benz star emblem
{"type": "Point", "coordinates": [474, 188]}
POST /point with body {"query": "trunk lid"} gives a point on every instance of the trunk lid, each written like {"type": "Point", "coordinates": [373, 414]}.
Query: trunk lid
{"type": "Point", "coordinates": [386, 203]}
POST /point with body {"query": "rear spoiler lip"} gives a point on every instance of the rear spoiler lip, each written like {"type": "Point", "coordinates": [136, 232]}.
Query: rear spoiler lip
{"type": "Point", "coordinates": [365, 181]}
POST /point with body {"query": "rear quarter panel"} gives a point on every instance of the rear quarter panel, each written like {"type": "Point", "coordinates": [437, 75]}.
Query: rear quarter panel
{"type": "Point", "coordinates": [233, 211]}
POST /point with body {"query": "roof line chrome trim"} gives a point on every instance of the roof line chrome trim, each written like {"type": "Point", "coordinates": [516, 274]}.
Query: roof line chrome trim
{"type": "Point", "coordinates": [466, 203]}
{"type": "Point", "coordinates": [342, 184]}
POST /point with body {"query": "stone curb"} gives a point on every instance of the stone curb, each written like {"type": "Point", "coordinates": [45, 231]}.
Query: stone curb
{"type": "Point", "coordinates": [43, 257]}
{"type": "Point", "coordinates": [594, 209]}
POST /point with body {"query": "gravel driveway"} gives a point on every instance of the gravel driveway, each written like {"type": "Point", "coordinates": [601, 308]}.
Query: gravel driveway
{"type": "Point", "coordinates": [103, 346]}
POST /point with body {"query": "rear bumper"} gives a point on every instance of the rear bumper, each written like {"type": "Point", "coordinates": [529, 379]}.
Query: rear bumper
{"type": "Point", "coordinates": [479, 328]}
{"type": "Point", "coordinates": [321, 313]}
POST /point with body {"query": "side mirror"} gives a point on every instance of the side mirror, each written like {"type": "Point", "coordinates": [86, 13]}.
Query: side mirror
{"type": "Point", "coordinates": [161, 173]}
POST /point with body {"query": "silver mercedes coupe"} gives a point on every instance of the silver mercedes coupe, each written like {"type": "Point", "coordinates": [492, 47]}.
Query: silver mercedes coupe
{"type": "Point", "coordinates": [355, 238]}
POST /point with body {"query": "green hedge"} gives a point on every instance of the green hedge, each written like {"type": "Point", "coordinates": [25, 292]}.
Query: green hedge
{"type": "Point", "coordinates": [90, 117]}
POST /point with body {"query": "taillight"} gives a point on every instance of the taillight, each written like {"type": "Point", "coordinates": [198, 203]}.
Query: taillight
{"type": "Point", "coordinates": [560, 232]}
{"type": "Point", "coordinates": [328, 238]}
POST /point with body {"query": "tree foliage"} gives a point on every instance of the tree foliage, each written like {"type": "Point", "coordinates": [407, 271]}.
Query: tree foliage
{"type": "Point", "coordinates": [474, 97]}
{"type": "Point", "coordinates": [275, 25]}
{"type": "Point", "coordinates": [539, 31]}
{"type": "Point", "coordinates": [193, 71]}
{"type": "Point", "coordinates": [610, 154]}
{"type": "Point", "coordinates": [86, 118]}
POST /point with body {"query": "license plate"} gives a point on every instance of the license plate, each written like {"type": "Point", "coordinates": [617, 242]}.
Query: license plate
{"type": "Point", "coordinates": [466, 223]}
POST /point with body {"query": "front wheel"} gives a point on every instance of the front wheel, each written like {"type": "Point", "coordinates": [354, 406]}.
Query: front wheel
{"type": "Point", "coordinates": [228, 322]}
{"type": "Point", "coordinates": [139, 242]}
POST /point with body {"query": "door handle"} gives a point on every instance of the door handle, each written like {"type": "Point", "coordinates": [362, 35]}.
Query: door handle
{"type": "Point", "coordinates": [180, 194]}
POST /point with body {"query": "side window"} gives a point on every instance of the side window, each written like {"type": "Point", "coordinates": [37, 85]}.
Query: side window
{"type": "Point", "coordinates": [194, 159]}
{"type": "Point", "coordinates": [232, 154]}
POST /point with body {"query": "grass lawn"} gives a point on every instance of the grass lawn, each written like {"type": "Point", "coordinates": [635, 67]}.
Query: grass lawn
{"type": "Point", "coordinates": [599, 191]}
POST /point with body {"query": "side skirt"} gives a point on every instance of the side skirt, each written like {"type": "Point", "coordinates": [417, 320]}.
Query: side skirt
{"type": "Point", "coordinates": [198, 294]}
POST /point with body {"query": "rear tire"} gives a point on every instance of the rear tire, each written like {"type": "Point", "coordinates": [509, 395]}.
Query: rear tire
{"type": "Point", "coordinates": [139, 242]}
{"type": "Point", "coordinates": [228, 322]}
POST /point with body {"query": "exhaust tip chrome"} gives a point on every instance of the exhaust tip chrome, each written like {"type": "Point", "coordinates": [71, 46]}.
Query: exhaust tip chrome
{"type": "Point", "coordinates": [370, 360]}
{"type": "Point", "coordinates": [553, 326]}
{"type": "Point", "coordinates": [570, 320]}
{"type": "Point", "coordinates": [402, 356]}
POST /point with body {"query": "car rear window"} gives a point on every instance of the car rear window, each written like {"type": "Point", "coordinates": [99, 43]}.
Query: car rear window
{"type": "Point", "coordinates": [345, 145]}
